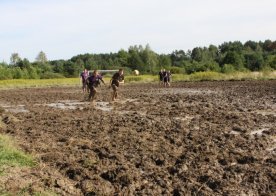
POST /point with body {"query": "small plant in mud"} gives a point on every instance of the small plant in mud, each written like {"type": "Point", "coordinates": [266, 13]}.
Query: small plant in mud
{"type": "Point", "coordinates": [90, 162]}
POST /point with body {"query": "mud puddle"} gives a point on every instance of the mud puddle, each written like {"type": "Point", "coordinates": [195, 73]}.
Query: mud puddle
{"type": "Point", "coordinates": [104, 106]}
{"type": "Point", "coordinates": [266, 113]}
{"type": "Point", "coordinates": [66, 104]}
{"type": "Point", "coordinates": [258, 132]}
{"type": "Point", "coordinates": [15, 108]}
{"type": "Point", "coordinates": [184, 91]}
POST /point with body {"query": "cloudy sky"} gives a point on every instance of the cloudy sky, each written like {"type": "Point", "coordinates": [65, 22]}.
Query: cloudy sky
{"type": "Point", "coordinates": [65, 28]}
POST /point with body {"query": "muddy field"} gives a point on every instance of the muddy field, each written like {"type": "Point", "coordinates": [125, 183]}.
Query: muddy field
{"type": "Point", "coordinates": [205, 138]}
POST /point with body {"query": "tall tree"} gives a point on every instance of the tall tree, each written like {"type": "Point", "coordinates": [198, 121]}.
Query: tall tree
{"type": "Point", "coordinates": [41, 57]}
{"type": "Point", "coordinates": [15, 58]}
{"type": "Point", "coordinates": [235, 59]}
{"type": "Point", "coordinates": [254, 61]}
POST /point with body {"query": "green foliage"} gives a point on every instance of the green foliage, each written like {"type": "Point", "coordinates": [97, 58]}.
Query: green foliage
{"type": "Point", "coordinates": [176, 70]}
{"type": "Point", "coordinates": [252, 56]}
{"type": "Point", "coordinates": [49, 75]}
{"type": "Point", "coordinates": [206, 76]}
{"type": "Point", "coordinates": [133, 78]}
{"type": "Point", "coordinates": [254, 61]}
{"type": "Point", "coordinates": [271, 61]}
{"type": "Point", "coordinates": [179, 57]}
{"type": "Point", "coordinates": [41, 58]}
{"type": "Point", "coordinates": [164, 61]}
{"type": "Point", "coordinates": [10, 156]}
{"type": "Point", "coordinates": [231, 46]}
{"type": "Point", "coordinates": [5, 73]}
{"type": "Point", "coordinates": [141, 78]}
{"type": "Point", "coordinates": [202, 66]}
{"type": "Point", "coordinates": [23, 83]}
{"type": "Point", "coordinates": [234, 58]}
{"type": "Point", "coordinates": [227, 68]}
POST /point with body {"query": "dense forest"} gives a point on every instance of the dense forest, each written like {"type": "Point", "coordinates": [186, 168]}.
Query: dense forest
{"type": "Point", "coordinates": [226, 58]}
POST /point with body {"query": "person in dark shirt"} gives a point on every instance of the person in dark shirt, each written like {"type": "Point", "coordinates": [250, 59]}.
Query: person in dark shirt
{"type": "Point", "coordinates": [169, 77]}
{"type": "Point", "coordinates": [83, 77]}
{"type": "Point", "coordinates": [116, 80]}
{"type": "Point", "coordinates": [93, 81]}
{"type": "Point", "coordinates": [161, 76]}
{"type": "Point", "coordinates": [166, 78]}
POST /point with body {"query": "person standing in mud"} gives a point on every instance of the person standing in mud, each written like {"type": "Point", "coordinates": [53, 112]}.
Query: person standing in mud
{"type": "Point", "coordinates": [166, 78]}
{"type": "Point", "coordinates": [161, 76]}
{"type": "Point", "coordinates": [116, 80]}
{"type": "Point", "coordinates": [169, 78]}
{"type": "Point", "coordinates": [93, 81]}
{"type": "Point", "coordinates": [83, 77]}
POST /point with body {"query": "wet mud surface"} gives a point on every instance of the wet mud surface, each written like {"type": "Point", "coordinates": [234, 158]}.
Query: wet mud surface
{"type": "Point", "coordinates": [207, 138]}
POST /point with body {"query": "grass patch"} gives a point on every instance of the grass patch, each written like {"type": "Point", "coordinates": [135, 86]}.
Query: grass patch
{"type": "Point", "coordinates": [10, 156]}
{"type": "Point", "coordinates": [207, 76]}
{"type": "Point", "coordinates": [198, 76]}
{"type": "Point", "coordinates": [141, 78]}
{"type": "Point", "coordinates": [23, 83]}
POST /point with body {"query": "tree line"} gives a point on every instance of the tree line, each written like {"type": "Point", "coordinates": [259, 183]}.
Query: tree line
{"type": "Point", "coordinates": [226, 58]}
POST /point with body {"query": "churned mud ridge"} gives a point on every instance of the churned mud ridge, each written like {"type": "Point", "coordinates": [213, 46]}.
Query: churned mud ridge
{"type": "Point", "coordinates": [204, 138]}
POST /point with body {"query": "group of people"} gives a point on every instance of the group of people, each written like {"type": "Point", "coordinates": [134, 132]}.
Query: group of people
{"type": "Point", "coordinates": [165, 77]}
{"type": "Point", "coordinates": [91, 81]}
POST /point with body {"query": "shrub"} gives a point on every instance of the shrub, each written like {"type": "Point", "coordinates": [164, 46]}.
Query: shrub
{"type": "Point", "coordinates": [5, 74]}
{"type": "Point", "coordinates": [227, 68]}
{"type": "Point", "coordinates": [206, 76]}
{"type": "Point", "coordinates": [133, 78]}
{"type": "Point", "coordinates": [176, 70]}
{"type": "Point", "coordinates": [49, 75]}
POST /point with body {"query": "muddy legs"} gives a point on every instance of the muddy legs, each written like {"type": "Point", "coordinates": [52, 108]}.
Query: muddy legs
{"type": "Point", "coordinates": [92, 94]}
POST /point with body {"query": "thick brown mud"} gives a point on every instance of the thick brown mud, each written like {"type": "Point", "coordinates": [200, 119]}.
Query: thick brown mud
{"type": "Point", "coordinates": [204, 138]}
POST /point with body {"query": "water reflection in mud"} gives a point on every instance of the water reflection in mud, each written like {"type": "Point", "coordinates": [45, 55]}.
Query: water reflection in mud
{"type": "Point", "coordinates": [75, 104]}
{"type": "Point", "coordinates": [14, 108]}
{"type": "Point", "coordinates": [104, 106]}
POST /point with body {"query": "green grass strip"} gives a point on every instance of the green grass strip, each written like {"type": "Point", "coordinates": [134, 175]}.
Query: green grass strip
{"type": "Point", "coordinates": [11, 156]}
{"type": "Point", "coordinates": [198, 76]}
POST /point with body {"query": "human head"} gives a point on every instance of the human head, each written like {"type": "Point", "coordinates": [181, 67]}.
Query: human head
{"type": "Point", "coordinates": [95, 72]}
{"type": "Point", "coordinates": [121, 71]}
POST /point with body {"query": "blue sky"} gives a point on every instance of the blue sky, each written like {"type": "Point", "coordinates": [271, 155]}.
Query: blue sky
{"type": "Point", "coordinates": [65, 28]}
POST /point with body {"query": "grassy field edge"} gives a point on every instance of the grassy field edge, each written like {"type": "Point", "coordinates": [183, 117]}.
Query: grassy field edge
{"type": "Point", "coordinates": [198, 76]}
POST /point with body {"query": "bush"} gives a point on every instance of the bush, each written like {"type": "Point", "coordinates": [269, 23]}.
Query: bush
{"type": "Point", "coordinates": [50, 75]}
{"type": "Point", "coordinates": [133, 78]}
{"type": "Point", "coordinates": [5, 73]}
{"type": "Point", "coordinates": [176, 70]}
{"type": "Point", "coordinates": [202, 66]}
{"type": "Point", "coordinates": [18, 73]}
{"type": "Point", "coordinates": [227, 68]}
{"type": "Point", "coordinates": [206, 76]}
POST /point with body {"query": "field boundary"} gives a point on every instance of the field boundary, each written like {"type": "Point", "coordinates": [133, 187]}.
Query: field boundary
{"type": "Point", "coordinates": [195, 77]}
